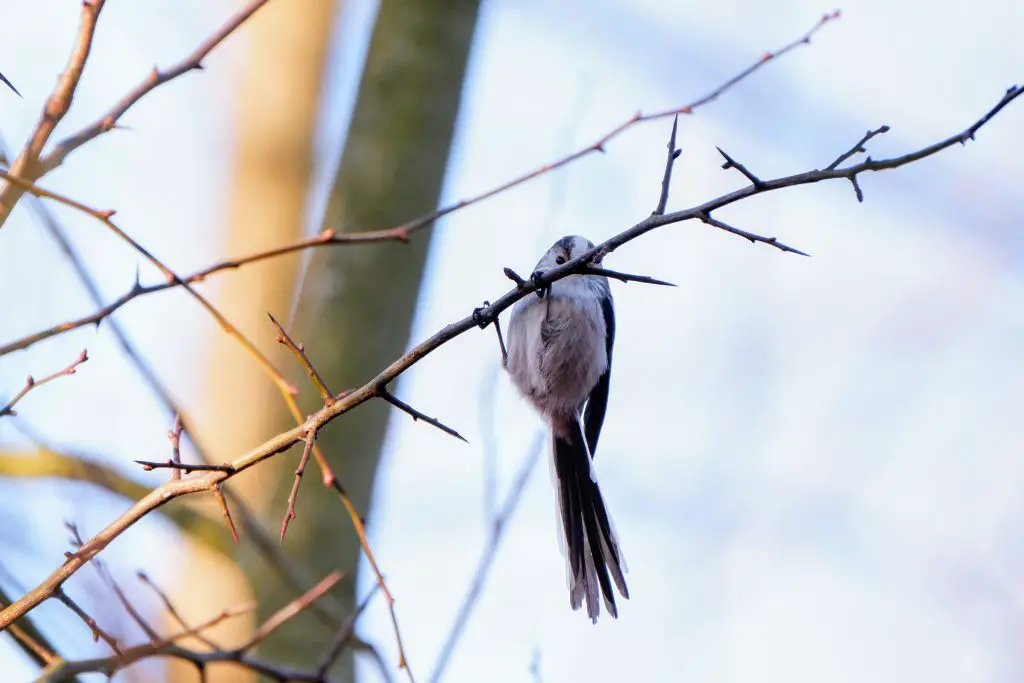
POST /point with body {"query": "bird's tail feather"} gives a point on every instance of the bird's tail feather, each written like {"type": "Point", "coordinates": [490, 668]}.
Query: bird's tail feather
{"type": "Point", "coordinates": [592, 550]}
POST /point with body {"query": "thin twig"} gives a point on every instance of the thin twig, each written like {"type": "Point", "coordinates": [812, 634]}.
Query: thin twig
{"type": "Point", "coordinates": [97, 632]}
{"type": "Point", "coordinates": [770, 241]}
{"type": "Point", "coordinates": [169, 607]}
{"type": "Point", "coordinates": [187, 468]}
{"type": "Point", "coordinates": [498, 527]}
{"type": "Point", "coordinates": [224, 509]}
{"type": "Point", "coordinates": [32, 383]}
{"type": "Point", "coordinates": [154, 79]}
{"type": "Point", "coordinates": [732, 163]}
{"type": "Point", "coordinates": [300, 352]}
{"type": "Point", "coordinates": [673, 154]}
{"type": "Point", "coordinates": [417, 415]}
{"type": "Point", "coordinates": [108, 579]}
{"type": "Point", "coordinates": [344, 634]}
{"type": "Point", "coordinates": [57, 105]}
{"type": "Point", "coordinates": [300, 603]}
{"type": "Point", "coordinates": [856, 149]}
{"type": "Point", "coordinates": [623, 277]}
{"type": "Point", "coordinates": [289, 514]}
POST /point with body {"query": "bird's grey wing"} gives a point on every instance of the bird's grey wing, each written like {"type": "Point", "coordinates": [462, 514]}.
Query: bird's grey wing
{"type": "Point", "coordinates": [593, 418]}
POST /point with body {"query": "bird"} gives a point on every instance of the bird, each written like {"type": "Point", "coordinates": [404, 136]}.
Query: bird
{"type": "Point", "coordinates": [560, 359]}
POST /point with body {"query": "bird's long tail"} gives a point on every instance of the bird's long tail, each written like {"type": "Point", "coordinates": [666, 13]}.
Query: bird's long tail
{"type": "Point", "coordinates": [592, 550]}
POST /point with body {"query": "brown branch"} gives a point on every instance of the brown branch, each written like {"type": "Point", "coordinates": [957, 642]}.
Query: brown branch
{"type": "Point", "coordinates": [168, 647]}
{"type": "Point", "coordinates": [153, 80]}
{"type": "Point", "coordinates": [300, 352]}
{"type": "Point", "coordinates": [57, 105]}
{"type": "Point", "coordinates": [300, 603]}
{"type": "Point", "coordinates": [187, 468]}
{"type": "Point", "coordinates": [32, 383]}
{"type": "Point", "coordinates": [224, 509]}
{"type": "Point", "coordinates": [417, 415]}
{"type": "Point", "coordinates": [105, 217]}
{"type": "Point", "coordinates": [169, 607]}
{"type": "Point", "coordinates": [165, 646]}
{"type": "Point", "coordinates": [402, 232]}
{"type": "Point", "coordinates": [108, 579]}
{"type": "Point", "coordinates": [97, 632]}
{"type": "Point", "coordinates": [174, 489]}
{"type": "Point", "coordinates": [289, 514]}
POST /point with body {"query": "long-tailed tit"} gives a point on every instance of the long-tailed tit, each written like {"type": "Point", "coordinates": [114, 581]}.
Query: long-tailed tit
{"type": "Point", "coordinates": [560, 357]}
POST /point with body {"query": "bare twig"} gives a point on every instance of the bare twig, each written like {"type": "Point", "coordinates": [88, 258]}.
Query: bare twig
{"type": "Point", "coordinates": [9, 85]}
{"type": "Point", "coordinates": [498, 526]}
{"type": "Point", "coordinates": [300, 352]}
{"type": "Point", "coordinates": [154, 79]}
{"type": "Point", "coordinates": [108, 579]}
{"type": "Point", "coordinates": [187, 468]}
{"type": "Point", "coordinates": [732, 163]}
{"type": "Point", "coordinates": [857, 148]}
{"type": "Point", "coordinates": [344, 634]}
{"type": "Point", "coordinates": [770, 241]}
{"type": "Point", "coordinates": [97, 632]}
{"type": "Point", "coordinates": [169, 607]}
{"type": "Point", "coordinates": [402, 232]}
{"type": "Point", "coordinates": [623, 277]}
{"type": "Point", "coordinates": [32, 383]}
{"type": "Point", "coordinates": [289, 514]}
{"type": "Point", "coordinates": [417, 415]}
{"type": "Point", "coordinates": [291, 609]}
{"type": "Point", "coordinates": [666, 180]}
{"type": "Point", "coordinates": [224, 509]}
{"type": "Point", "coordinates": [57, 106]}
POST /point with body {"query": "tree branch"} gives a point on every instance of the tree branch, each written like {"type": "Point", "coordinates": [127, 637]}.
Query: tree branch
{"type": "Point", "coordinates": [57, 105]}
{"type": "Point", "coordinates": [32, 383]}
{"type": "Point", "coordinates": [402, 232]}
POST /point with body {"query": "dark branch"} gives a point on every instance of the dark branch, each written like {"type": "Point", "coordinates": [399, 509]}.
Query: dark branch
{"type": "Point", "coordinates": [670, 159]}
{"type": "Point", "coordinates": [859, 147]}
{"type": "Point", "coordinates": [622, 277]}
{"type": "Point", "coordinates": [293, 496]}
{"type": "Point", "coordinates": [732, 163]}
{"type": "Point", "coordinates": [185, 467]}
{"type": "Point", "coordinates": [417, 415]}
{"type": "Point", "coordinates": [771, 241]}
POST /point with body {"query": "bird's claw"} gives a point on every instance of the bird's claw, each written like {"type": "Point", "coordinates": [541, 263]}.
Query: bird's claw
{"type": "Point", "coordinates": [477, 318]}
{"type": "Point", "coordinates": [542, 287]}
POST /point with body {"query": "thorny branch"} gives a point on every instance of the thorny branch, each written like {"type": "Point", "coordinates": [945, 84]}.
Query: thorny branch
{"type": "Point", "coordinates": [32, 383]}
{"type": "Point", "coordinates": [56, 107]}
{"type": "Point", "coordinates": [401, 233]}
{"type": "Point", "coordinates": [60, 670]}
{"type": "Point", "coordinates": [372, 389]}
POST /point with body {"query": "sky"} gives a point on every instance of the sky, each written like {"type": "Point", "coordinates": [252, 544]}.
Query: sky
{"type": "Point", "coordinates": [812, 463]}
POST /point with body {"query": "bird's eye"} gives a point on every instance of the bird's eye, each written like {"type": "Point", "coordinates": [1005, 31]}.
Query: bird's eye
{"type": "Point", "coordinates": [559, 260]}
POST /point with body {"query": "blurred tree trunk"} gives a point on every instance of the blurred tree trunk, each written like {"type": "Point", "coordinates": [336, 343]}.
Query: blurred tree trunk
{"type": "Point", "coordinates": [357, 304]}
{"type": "Point", "coordinates": [276, 103]}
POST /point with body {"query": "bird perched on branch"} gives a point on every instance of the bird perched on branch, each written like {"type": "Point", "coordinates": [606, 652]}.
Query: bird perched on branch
{"type": "Point", "coordinates": [560, 358]}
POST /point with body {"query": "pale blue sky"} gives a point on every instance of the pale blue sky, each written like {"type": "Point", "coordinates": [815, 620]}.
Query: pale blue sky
{"type": "Point", "coordinates": [813, 464]}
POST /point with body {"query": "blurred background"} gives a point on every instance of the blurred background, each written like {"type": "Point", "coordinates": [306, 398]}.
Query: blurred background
{"type": "Point", "coordinates": [814, 464]}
